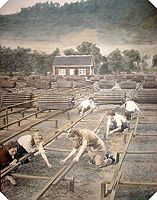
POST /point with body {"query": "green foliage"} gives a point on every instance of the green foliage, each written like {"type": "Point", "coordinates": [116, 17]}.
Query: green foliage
{"type": "Point", "coordinates": [154, 61]}
{"type": "Point", "coordinates": [88, 48]}
{"type": "Point", "coordinates": [70, 52]}
{"type": "Point", "coordinates": [47, 20]}
{"type": "Point", "coordinates": [132, 59]}
{"type": "Point", "coordinates": [104, 66]}
{"type": "Point", "coordinates": [24, 61]}
{"type": "Point", "coordinates": [115, 61]}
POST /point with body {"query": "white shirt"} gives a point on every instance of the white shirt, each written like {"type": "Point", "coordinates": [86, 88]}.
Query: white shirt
{"type": "Point", "coordinates": [87, 103]}
{"type": "Point", "coordinates": [118, 118]}
{"type": "Point", "coordinates": [131, 106]}
{"type": "Point", "coordinates": [116, 87]}
{"type": "Point", "coordinates": [26, 142]}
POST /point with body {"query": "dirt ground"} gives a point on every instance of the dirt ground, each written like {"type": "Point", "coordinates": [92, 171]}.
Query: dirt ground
{"type": "Point", "coordinates": [88, 178]}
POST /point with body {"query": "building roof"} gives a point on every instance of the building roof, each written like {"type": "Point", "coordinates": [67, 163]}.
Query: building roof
{"type": "Point", "coordinates": [73, 60]}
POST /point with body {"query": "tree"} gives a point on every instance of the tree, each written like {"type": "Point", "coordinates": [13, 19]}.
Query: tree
{"type": "Point", "coordinates": [144, 64]}
{"type": "Point", "coordinates": [87, 48]}
{"type": "Point", "coordinates": [104, 67]}
{"type": "Point", "coordinates": [70, 52]}
{"type": "Point", "coordinates": [154, 61]}
{"type": "Point", "coordinates": [115, 61]}
{"type": "Point", "coordinates": [132, 59]}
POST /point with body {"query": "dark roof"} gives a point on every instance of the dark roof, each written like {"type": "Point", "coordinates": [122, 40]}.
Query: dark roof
{"type": "Point", "coordinates": [73, 60]}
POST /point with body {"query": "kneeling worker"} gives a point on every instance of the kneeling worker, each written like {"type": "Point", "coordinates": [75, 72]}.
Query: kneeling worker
{"type": "Point", "coordinates": [31, 143]}
{"type": "Point", "coordinates": [116, 123]}
{"type": "Point", "coordinates": [131, 108]}
{"type": "Point", "coordinates": [86, 105]}
{"type": "Point", "coordinates": [88, 140]}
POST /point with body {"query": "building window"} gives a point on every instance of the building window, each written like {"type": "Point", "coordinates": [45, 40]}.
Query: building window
{"type": "Point", "coordinates": [82, 71]}
{"type": "Point", "coordinates": [61, 72]}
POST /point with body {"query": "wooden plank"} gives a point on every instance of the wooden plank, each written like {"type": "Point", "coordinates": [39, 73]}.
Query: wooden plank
{"type": "Point", "coordinates": [48, 185]}
{"type": "Point", "coordinates": [119, 165]}
{"type": "Point", "coordinates": [29, 127]}
{"type": "Point", "coordinates": [151, 184]}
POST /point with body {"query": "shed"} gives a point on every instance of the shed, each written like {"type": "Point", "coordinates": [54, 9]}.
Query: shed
{"type": "Point", "coordinates": [74, 65]}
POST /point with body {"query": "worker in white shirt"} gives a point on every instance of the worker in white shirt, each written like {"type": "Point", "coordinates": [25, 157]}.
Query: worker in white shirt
{"type": "Point", "coordinates": [31, 143]}
{"type": "Point", "coordinates": [116, 123]}
{"type": "Point", "coordinates": [131, 108]}
{"type": "Point", "coordinates": [86, 105]}
{"type": "Point", "coordinates": [116, 87]}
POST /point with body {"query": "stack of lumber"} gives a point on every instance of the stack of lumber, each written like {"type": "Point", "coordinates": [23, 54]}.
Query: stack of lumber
{"type": "Point", "coordinates": [95, 78]}
{"type": "Point", "coordinates": [109, 77]}
{"type": "Point", "coordinates": [9, 99]}
{"type": "Point", "coordinates": [109, 97]}
{"type": "Point", "coordinates": [53, 101]}
{"type": "Point", "coordinates": [129, 76]}
{"type": "Point", "coordinates": [138, 78]}
{"type": "Point", "coordinates": [146, 96]}
{"type": "Point", "coordinates": [120, 78]}
{"type": "Point", "coordinates": [31, 80]}
{"type": "Point", "coordinates": [74, 78]}
{"type": "Point", "coordinates": [149, 85]}
{"type": "Point", "coordinates": [42, 84]}
{"type": "Point", "coordinates": [7, 84]}
{"type": "Point", "coordinates": [128, 85]}
{"type": "Point", "coordinates": [106, 84]}
{"type": "Point", "coordinates": [78, 84]}
{"type": "Point", "coordinates": [64, 84]}
{"type": "Point", "coordinates": [149, 78]}
{"type": "Point", "coordinates": [50, 78]}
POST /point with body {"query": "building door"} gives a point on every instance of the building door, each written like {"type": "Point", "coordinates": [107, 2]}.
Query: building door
{"type": "Point", "coordinates": [72, 72]}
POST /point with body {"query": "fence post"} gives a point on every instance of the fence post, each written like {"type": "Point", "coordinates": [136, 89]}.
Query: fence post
{"type": "Point", "coordinates": [7, 120]}
{"type": "Point", "coordinates": [68, 115]}
{"type": "Point", "coordinates": [56, 123]}
{"type": "Point", "coordinates": [72, 182]}
{"type": "Point", "coordinates": [103, 190]}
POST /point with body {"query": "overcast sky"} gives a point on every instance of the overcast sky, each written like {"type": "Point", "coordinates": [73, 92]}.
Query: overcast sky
{"type": "Point", "coordinates": [13, 6]}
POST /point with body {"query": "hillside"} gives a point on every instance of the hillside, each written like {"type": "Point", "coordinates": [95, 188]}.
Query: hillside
{"type": "Point", "coordinates": [108, 21]}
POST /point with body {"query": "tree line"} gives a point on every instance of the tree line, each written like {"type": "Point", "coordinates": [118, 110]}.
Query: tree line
{"type": "Point", "coordinates": [25, 61]}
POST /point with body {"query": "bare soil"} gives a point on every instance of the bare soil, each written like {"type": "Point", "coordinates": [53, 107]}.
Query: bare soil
{"type": "Point", "coordinates": [88, 178]}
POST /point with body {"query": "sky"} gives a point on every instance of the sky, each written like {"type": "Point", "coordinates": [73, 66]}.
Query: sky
{"type": "Point", "coordinates": [13, 6]}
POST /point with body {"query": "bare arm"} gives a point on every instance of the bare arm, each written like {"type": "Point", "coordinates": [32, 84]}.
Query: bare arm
{"type": "Point", "coordinates": [119, 123]}
{"type": "Point", "coordinates": [108, 126]}
{"type": "Point", "coordinates": [42, 152]}
{"type": "Point", "coordinates": [115, 130]}
{"type": "Point", "coordinates": [122, 106]}
{"type": "Point", "coordinates": [82, 149]}
{"type": "Point", "coordinates": [69, 156]}
{"type": "Point", "coordinates": [14, 162]}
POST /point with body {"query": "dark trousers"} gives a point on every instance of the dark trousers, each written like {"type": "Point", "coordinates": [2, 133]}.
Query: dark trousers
{"type": "Point", "coordinates": [20, 153]}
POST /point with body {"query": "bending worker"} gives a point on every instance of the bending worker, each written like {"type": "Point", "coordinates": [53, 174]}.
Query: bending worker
{"type": "Point", "coordinates": [31, 143]}
{"type": "Point", "coordinates": [116, 123]}
{"type": "Point", "coordinates": [85, 139]}
{"type": "Point", "coordinates": [86, 105]}
{"type": "Point", "coordinates": [131, 108]}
